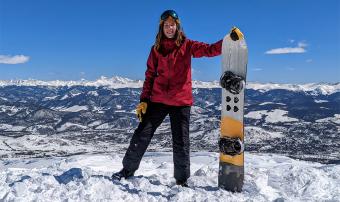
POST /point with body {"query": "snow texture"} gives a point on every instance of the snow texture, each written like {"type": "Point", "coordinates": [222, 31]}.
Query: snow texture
{"type": "Point", "coordinates": [268, 177]}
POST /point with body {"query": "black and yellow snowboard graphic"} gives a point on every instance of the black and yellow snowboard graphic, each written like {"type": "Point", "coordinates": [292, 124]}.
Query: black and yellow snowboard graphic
{"type": "Point", "coordinates": [231, 143]}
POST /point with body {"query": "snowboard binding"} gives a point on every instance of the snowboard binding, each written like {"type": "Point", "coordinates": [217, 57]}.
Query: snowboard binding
{"type": "Point", "coordinates": [231, 146]}
{"type": "Point", "coordinates": [231, 82]}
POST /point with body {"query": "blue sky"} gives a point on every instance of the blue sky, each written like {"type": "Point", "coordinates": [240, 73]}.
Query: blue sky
{"type": "Point", "coordinates": [291, 41]}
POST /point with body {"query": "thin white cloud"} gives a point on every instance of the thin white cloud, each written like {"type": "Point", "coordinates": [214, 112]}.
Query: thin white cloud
{"type": "Point", "coordinates": [286, 50]}
{"type": "Point", "coordinates": [82, 74]}
{"type": "Point", "coordinates": [16, 59]}
{"type": "Point", "coordinates": [195, 71]}
{"type": "Point", "coordinates": [302, 44]}
{"type": "Point", "coordinates": [257, 69]}
{"type": "Point", "coordinates": [299, 49]}
{"type": "Point", "coordinates": [309, 60]}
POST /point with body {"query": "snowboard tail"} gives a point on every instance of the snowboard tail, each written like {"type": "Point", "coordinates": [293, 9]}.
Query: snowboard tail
{"type": "Point", "coordinates": [231, 177]}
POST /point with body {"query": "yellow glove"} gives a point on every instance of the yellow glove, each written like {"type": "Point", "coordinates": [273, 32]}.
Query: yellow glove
{"type": "Point", "coordinates": [141, 110]}
{"type": "Point", "coordinates": [236, 34]}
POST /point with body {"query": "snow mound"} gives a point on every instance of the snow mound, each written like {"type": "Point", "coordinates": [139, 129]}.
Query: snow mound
{"type": "Point", "coordinates": [86, 178]}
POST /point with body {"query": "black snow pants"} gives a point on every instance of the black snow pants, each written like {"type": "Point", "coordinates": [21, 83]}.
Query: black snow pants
{"type": "Point", "coordinates": [154, 116]}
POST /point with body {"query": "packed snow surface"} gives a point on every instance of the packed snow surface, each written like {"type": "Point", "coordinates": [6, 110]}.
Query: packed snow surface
{"type": "Point", "coordinates": [86, 178]}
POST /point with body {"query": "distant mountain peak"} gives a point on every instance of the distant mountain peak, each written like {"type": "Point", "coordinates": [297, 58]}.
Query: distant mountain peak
{"type": "Point", "coordinates": [122, 82]}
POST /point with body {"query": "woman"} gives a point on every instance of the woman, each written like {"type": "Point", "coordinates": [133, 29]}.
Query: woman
{"type": "Point", "coordinates": [167, 90]}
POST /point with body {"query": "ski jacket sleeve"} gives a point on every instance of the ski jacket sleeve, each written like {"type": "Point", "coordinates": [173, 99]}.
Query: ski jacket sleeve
{"type": "Point", "coordinates": [200, 49]}
{"type": "Point", "coordinates": [150, 75]}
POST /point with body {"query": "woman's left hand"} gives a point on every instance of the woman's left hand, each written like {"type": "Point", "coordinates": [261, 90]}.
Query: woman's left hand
{"type": "Point", "coordinates": [141, 110]}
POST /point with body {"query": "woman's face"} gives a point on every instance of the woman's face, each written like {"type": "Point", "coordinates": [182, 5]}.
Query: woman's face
{"type": "Point", "coordinates": [169, 28]}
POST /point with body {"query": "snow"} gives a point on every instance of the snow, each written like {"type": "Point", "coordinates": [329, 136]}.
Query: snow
{"type": "Point", "coordinates": [75, 108]}
{"type": "Point", "coordinates": [278, 115]}
{"type": "Point", "coordinates": [320, 101]}
{"type": "Point", "coordinates": [266, 103]}
{"type": "Point", "coordinates": [114, 82]}
{"type": "Point", "coordinates": [40, 145]}
{"type": "Point", "coordinates": [197, 110]}
{"type": "Point", "coordinates": [10, 110]}
{"type": "Point", "coordinates": [258, 135]}
{"type": "Point", "coordinates": [8, 127]}
{"type": "Point", "coordinates": [314, 88]}
{"type": "Point", "coordinates": [205, 84]}
{"type": "Point", "coordinates": [256, 114]}
{"type": "Point", "coordinates": [50, 98]}
{"type": "Point", "coordinates": [4, 126]}
{"type": "Point", "coordinates": [68, 125]}
{"type": "Point", "coordinates": [272, 116]}
{"type": "Point", "coordinates": [95, 123]}
{"type": "Point", "coordinates": [335, 119]}
{"type": "Point", "coordinates": [120, 82]}
{"type": "Point", "coordinates": [94, 93]}
{"type": "Point", "coordinates": [35, 128]}
{"type": "Point", "coordinates": [120, 111]}
{"type": "Point", "coordinates": [103, 126]}
{"type": "Point", "coordinates": [64, 97]}
{"type": "Point", "coordinates": [268, 177]}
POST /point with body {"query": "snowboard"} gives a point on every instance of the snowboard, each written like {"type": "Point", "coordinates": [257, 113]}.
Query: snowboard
{"type": "Point", "coordinates": [231, 142]}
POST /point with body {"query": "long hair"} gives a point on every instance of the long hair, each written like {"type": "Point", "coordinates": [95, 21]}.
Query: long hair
{"type": "Point", "coordinates": [179, 36]}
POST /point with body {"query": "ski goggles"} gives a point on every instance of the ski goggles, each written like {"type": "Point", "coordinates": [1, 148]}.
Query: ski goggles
{"type": "Point", "coordinates": [168, 13]}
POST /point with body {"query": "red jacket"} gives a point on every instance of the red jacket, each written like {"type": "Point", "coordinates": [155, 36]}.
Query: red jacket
{"type": "Point", "coordinates": [168, 74]}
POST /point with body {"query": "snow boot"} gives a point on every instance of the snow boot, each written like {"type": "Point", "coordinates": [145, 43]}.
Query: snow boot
{"type": "Point", "coordinates": [122, 174]}
{"type": "Point", "coordinates": [182, 183]}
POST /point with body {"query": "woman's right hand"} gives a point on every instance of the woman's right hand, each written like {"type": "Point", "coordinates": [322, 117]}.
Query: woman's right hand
{"type": "Point", "coordinates": [141, 110]}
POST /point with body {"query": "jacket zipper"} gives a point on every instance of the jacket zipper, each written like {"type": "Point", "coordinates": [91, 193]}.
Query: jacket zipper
{"type": "Point", "coordinates": [167, 90]}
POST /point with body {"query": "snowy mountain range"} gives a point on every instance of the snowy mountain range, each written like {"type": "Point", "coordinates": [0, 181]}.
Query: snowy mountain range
{"type": "Point", "coordinates": [58, 118]}
{"type": "Point", "coordinates": [120, 82]}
